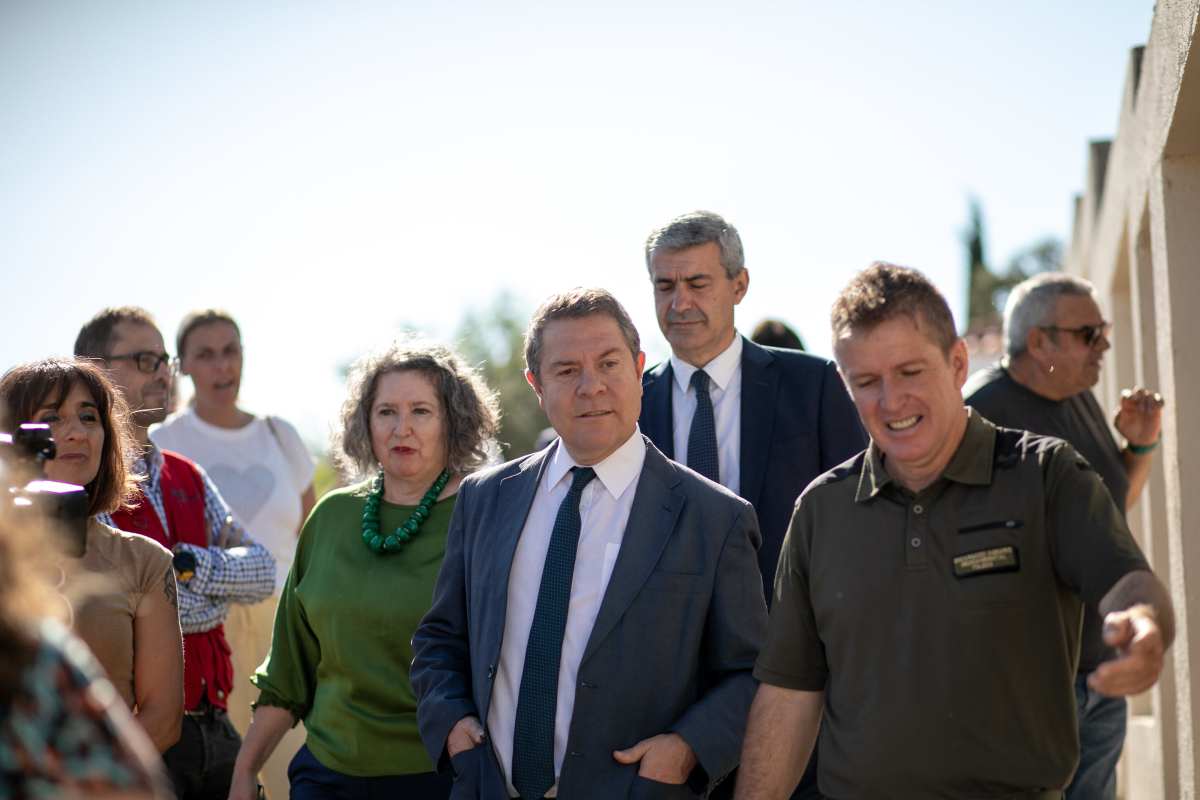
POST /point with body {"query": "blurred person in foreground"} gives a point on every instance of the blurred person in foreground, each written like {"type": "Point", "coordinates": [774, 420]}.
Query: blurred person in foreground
{"type": "Point", "coordinates": [128, 614]}
{"type": "Point", "coordinates": [415, 422]}
{"type": "Point", "coordinates": [931, 589]}
{"type": "Point", "coordinates": [264, 472]}
{"type": "Point", "coordinates": [216, 563]}
{"type": "Point", "coordinates": [1055, 340]}
{"type": "Point", "coordinates": [776, 333]}
{"type": "Point", "coordinates": [600, 607]}
{"type": "Point", "coordinates": [64, 731]}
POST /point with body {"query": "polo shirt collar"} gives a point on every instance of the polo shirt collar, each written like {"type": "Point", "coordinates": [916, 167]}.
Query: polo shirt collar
{"type": "Point", "coordinates": [873, 477]}
{"type": "Point", "coordinates": [971, 463]}
{"type": "Point", "coordinates": [720, 370]}
{"type": "Point", "coordinates": [616, 472]}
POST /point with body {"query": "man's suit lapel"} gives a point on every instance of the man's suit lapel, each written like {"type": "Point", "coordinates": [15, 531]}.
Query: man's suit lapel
{"type": "Point", "coordinates": [760, 385]}
{"type": "Point", "coordinates": [514, 499]}
{"type": "Point", "coordinates": [657, 422]}
{"type": "Point", "coordinates": [656, 506]}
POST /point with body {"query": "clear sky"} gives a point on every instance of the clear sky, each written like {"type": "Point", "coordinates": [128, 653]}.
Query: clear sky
{"type": "Point", "coordinates": [327, 171]}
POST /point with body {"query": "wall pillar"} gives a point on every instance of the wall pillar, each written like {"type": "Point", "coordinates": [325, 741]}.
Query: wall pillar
{"type": "Point", "coordinates": [1175, 251]}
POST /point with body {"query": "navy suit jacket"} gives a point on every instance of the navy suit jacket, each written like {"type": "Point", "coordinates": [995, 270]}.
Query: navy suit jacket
{"type": "Point", "coordinates": [797, 422]}
{"type": "Point", "coordinates": [672, 649]}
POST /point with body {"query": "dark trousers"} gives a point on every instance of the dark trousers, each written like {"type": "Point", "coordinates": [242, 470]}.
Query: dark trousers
{"type": "Point", "coordinates": [312, 780]}
{"type": "Point", "coordinates": [201, 762]}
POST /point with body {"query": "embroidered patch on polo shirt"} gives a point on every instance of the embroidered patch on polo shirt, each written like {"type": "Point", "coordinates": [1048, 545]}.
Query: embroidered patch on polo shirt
{"type": "Point", "coordinates": [985, 562]}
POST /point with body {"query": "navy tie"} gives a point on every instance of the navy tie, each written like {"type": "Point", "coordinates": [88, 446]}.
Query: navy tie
{"type": "Point", "coordinates": [702, 439]}
{"type": "Point", "coordinates": [537, 702]}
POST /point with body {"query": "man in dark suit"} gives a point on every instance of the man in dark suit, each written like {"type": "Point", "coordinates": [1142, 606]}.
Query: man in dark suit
{"type": "Point", "coordinates": [599, 608]}
{"type": "Point", "coordinates": [769, 420]}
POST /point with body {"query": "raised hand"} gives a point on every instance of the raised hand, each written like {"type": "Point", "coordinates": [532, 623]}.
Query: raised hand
{"type": "Point", "coordinates": [1139, 416]}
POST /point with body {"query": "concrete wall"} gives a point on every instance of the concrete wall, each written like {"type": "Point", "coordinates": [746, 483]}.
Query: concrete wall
{"type": "Point", "coordinates": [1137, 237]}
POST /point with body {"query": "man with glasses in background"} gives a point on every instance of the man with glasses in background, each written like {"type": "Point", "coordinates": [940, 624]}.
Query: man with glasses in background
{"type": "Point", "coordinates": [216, 563]}
{"type": "Point", "coordinates": [1055, 339]}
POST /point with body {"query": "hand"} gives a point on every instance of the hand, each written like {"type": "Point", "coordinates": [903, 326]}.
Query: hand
{"type": "Point", "coordinates": [665, 758]}
{"type": "Point", "coordinates": [1139, 643]}
{"type": "Point", "coordinates": [243, 787]}
{"type": "Point", "coordinates": [231, 535]}
{"type": "Point", "coordinates": [465, 734]}
{"type": "Point", "coordinates": [1139, 416]}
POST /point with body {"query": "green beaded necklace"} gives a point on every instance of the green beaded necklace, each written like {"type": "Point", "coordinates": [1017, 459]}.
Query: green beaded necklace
{"type": "Point", "coordinates": [394, 542]}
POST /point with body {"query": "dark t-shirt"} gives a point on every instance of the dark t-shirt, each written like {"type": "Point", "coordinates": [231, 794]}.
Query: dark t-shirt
{"type": "Point", "coordinates": [1079, 421]}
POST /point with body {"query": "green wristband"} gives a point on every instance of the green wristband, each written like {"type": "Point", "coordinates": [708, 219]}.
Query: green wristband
{"type": "Point", "coordinates": [1142, 449]}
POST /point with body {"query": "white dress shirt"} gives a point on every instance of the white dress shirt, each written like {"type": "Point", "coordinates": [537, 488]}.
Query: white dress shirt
{"type": "Point", "coordinates": [604, 511]}
{"type": "Point", "coordinates": [725, 390]}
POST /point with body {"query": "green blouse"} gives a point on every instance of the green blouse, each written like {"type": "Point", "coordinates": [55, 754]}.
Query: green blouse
{"type": "Point", "coordinates": [342, 644]}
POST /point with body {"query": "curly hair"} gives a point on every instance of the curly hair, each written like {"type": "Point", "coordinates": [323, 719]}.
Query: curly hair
{"type": "Point", "coordinates": [26, 388]}
{"type": "Point", "coordinates": [884, 291]}
{"type": "Point", "coordinates": [472, 411]}
{"type": "Point", "coordinates": [25, 594]}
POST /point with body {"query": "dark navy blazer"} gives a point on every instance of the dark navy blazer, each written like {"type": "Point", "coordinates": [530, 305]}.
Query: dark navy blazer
{"type": "Point", "coordinates": [672, 649]}
{"type": "Point", "coordinates": [797, 422]}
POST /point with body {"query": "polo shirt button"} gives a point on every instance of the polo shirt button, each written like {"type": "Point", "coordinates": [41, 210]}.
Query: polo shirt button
{"type": "Point", "coordinates": [917, 509]}
{"type": "Point", "coordinates": [916, 541]}
{"type": "Point", "coordinates": [220, 694]}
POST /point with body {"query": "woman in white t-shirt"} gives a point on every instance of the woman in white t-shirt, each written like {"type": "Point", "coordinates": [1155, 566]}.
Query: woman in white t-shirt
{"type": "Point", "coordinates": [262, 469]}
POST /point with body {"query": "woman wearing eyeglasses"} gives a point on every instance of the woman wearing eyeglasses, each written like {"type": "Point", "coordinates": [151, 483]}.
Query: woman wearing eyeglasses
{"type": "Point", "coordinates": [263, 470]}
{"type": "Point", "coordinates": [1056, 338]}
{"type": "Point", "coordinates": [126, 606]}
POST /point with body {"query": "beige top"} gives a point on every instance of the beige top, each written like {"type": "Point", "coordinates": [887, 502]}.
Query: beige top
{"type": "Point", "coordinates": [119, 575]}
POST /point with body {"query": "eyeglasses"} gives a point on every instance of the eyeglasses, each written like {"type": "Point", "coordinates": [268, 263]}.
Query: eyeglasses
{"type": "Point", "coordinates": [147, 361]}
{"type": "Point", "coordinates": [1090, 334]}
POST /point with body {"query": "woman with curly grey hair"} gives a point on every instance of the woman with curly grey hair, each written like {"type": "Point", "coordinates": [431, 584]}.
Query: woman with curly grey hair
{"type": "Point", "coordinates": [416, 420]}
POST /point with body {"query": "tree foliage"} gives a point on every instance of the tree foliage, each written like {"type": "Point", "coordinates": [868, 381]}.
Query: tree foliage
{"type": "Point", "coordinates": [987, 288]}
{"type": "Point", "coordinates": [494, 340]}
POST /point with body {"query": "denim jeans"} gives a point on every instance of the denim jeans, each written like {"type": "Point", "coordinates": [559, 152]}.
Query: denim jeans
{"type": "Point", "coordinates": [201, 762]}
{"type": "Point", "coordinates": [1101, 738]}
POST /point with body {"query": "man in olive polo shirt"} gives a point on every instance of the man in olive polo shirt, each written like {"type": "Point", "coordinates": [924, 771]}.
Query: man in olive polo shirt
{"type": "Point", "coordinates": [929, 595]}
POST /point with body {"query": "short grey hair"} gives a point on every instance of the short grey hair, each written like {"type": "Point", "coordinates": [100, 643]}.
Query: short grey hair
{"type": "Point", "coordinates": [575, 304]}
{"type": "Point", "coordinates": [1032, 302]}
{"type": "Point", "coordinates": [471, 409]}
{"type": "Point", "coordinates": [697, 228]}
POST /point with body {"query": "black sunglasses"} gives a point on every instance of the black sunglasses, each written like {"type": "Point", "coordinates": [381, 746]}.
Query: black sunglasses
{"type": "Point", "coordinates": [1089, 333]}
{"type": "Point", "coordinates": [147, 361]}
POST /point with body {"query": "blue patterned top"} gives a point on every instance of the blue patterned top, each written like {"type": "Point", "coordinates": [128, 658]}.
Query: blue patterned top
{"type": "Point", "coordinates": [68, 729]}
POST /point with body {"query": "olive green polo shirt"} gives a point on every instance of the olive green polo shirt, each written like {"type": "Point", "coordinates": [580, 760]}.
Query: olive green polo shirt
{"type": "Point", "coordinates": [944, 626]}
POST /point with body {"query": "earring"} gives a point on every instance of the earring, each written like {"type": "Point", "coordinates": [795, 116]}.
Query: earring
{"type": "Point", "coordinates": [1051, 370]}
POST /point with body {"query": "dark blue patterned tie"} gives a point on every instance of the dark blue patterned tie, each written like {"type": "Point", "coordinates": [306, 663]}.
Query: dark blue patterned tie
{"type": "Point", "coordinates": [537, 702]}
{"type": "Point", "coordinates": [702, 439]}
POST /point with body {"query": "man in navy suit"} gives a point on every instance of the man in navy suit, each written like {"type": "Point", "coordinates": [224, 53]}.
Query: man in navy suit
{"type": "Point", "coordinates": [599, 607]}
{"type": "Point", "coordinates": [761, 421]}
{"type": "Point", "coordinates": [779, 417]}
